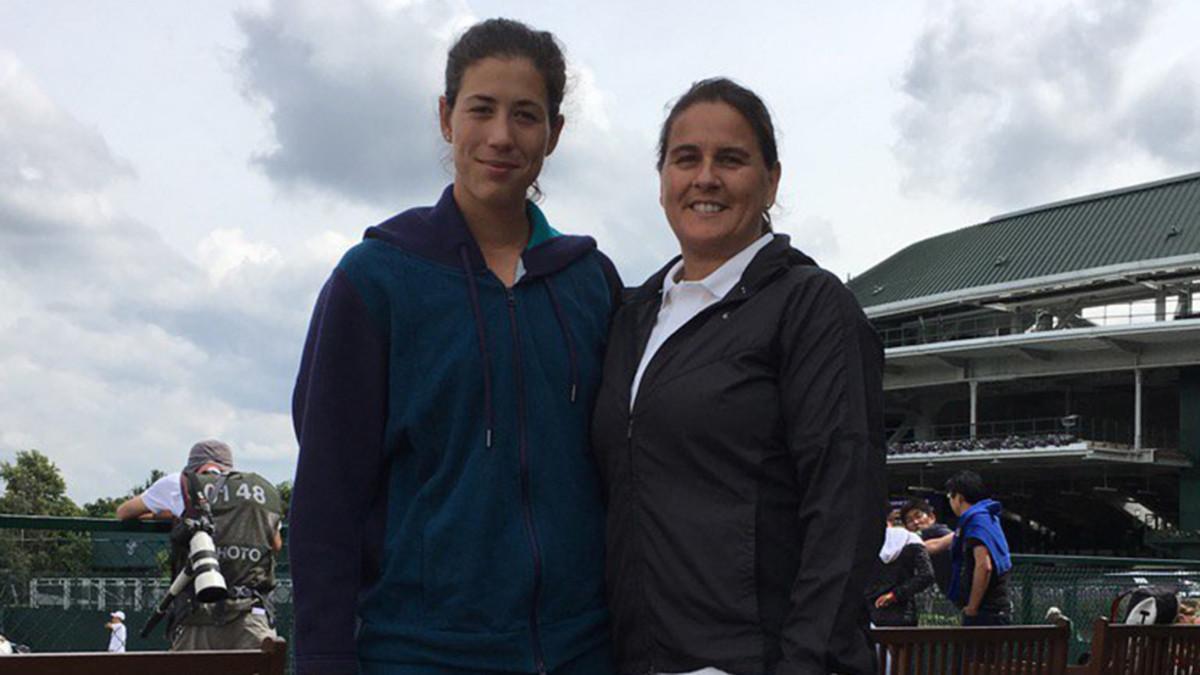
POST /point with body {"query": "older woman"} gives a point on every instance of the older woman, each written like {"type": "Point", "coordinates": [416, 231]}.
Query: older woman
{"type": "Point", "coordinates": [738, 426]}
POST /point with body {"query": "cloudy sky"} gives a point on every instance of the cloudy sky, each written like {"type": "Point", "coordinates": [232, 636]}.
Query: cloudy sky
{"type": "Point", "coordinates": [178, 178]}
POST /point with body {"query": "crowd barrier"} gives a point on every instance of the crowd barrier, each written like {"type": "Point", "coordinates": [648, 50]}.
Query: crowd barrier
{"type": "Point", "coordinates": [271, 659]}
{"type": "Point", "coordinates": [61, 577]}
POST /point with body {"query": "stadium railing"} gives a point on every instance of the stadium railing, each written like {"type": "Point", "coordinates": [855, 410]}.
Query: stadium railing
{"type": "Point", "coordinates": [271, 659]}
{"type": "Point", "coordinates": [1026, 434]}
{"type": "Point", "coordinates": [60, 578]}
{"type": "Point", "coordinates": [929, 330]}
{"type": "Point", "coordinates": [1081, 587]}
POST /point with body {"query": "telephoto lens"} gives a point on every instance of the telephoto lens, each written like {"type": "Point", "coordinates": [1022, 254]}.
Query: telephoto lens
{"type": "Point", "coordinates": [209, 584]}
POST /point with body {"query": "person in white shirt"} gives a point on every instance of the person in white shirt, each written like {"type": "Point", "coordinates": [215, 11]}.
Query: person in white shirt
{"type": "Point", "coordinates": [116, 624]}
{"type": "Point", "coordinates": [246, 513]}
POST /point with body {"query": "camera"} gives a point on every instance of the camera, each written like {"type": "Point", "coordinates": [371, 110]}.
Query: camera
{"type": "Point", "coordinates": [202, 567]}
{"type": "Point", "coordinates": [209, 585]}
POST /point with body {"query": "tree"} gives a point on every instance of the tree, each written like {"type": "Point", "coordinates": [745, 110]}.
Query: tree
{"type": "Point", "coordinates": [285, 495]}
{"type": "Point", "coordinates": [33, 486]}
{"type": "Point", "coordinates": [155, 474]}
{"type": "Point", "coordinates": [106, 507]}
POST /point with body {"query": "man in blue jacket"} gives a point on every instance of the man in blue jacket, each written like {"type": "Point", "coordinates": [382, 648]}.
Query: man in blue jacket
{"type": "Point", "coordinates": [980, 560]}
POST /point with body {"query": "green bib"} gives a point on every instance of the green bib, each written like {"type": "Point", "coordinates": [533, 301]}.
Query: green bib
{"type": "Point", "coordinates": [247, 512]}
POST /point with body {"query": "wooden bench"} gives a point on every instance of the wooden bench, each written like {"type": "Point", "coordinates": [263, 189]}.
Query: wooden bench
{"type": "Point", "coordinates": [990, 650]}
{"type": "Point", "coordinates": [1120, 649]}
{"type": "Point", "coordinates": [270, 660]}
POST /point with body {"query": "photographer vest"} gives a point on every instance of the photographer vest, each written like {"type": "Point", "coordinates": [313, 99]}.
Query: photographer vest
{"type": "Point", "coordinates": [246, 514]}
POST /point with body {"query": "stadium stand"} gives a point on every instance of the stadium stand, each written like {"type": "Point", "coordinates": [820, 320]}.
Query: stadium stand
{"type": "Point", "coordinates": [1056, 350]}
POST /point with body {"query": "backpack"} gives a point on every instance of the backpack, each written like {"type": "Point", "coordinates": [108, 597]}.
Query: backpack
{"type": "Point", "coordinates": [1152, 605]}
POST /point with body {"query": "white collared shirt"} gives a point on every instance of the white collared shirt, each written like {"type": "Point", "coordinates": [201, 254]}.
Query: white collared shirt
{"type": "Point", "coordinates": [116, 641]}
{"type": "Point", "coordinates": [682, 300]}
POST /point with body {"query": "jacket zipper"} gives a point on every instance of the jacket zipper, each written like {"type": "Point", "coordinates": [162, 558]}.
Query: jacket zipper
{"type": "Point", "coordinates": [526, 495]}
{"type": "Point", "coordinates": [713, 308]}
{"type": "Point", "coordinates": [721, 305]}
{"type": "Point", "coordinates": [649, 670]}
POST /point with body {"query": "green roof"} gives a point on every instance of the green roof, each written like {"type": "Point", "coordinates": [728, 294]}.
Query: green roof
{"type": "Point", "coordinates": [1141, 223]}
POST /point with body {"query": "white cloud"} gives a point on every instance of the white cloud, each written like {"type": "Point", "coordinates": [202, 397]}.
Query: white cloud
{"type": "Point", "coordinates": [35, 129]}
{"type": "Point", "coordinates": [1010, 103]}
{"type": "Point", "coordinates": [817, 237]}
{"type": "Point", "coordinates": [225, 250]}
{"type": "Point", "coordinates": [351, 89]}
{"type": "Point", "coordinates": [1165, 118]}
{"type": "Point", "coordinates": [117, 351]}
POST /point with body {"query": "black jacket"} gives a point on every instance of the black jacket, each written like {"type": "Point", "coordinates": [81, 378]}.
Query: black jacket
{"type": "Point", "coordinates": [910, 573]}
{"type": "Point", "coordinates": [941, 561]}
{"type": "Point", "coordinates": [746, 489]}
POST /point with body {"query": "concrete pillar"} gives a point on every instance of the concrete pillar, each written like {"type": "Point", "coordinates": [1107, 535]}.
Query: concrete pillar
{"type": "Point", "coordinates": [1137, 408]}
{"type": "Point", "coordinates": [1160, 305]}
{"type": "Point", "coordinates": [974, 407]}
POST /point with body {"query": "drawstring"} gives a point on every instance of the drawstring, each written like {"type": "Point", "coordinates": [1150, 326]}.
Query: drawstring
{"type": "Point", "coordinates": [483, 350]}
{"type": "Point", "coordinates": [562, 324]}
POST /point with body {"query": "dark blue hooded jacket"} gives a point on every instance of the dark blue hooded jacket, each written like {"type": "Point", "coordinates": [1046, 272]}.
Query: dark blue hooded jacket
{"type": "Point", "coordinates": [446, 500]}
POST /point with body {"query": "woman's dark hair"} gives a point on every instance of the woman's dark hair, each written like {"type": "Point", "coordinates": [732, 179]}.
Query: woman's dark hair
{"type": "Point", "coordinates": [741, 99]}
{"type": "Point", "coordinates": [505, 38]}
{"type": "Point", "coordinates": [969, 485]}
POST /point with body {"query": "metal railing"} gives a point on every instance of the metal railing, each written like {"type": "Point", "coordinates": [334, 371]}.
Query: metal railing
{"type": "Point", "coordinates": [50, 611]}
{"type": "Point", "coordinates": [1081, 587]}
{"type": "Point", "coordinates": [61, 577]}
{"type": "Point", "coordinates": [929, 330]}
{"type": "Point", "coordinates": [1023, 434]}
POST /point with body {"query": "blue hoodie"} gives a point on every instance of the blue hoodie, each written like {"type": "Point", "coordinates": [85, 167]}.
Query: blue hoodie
{"type": "Point", "coordinates": [446, 500]}
{"type": "Point", "coordinates": [982, 523]}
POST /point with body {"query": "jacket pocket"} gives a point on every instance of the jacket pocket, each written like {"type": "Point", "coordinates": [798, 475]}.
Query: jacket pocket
{"type": "Point", "coordinates": [476, 565]}
{"type": "Point", "coordinates": [705, 571]}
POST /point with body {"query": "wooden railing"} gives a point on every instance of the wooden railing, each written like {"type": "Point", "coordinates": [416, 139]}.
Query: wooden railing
{"type": "Point", "coordinates": [270, 660]}
{"type": "Point", "coordinates": [1144, 650]}
{"type": "Point", "coordinates": [1117, 649]}
{"type": "Point", "coordinates": [990, 650]}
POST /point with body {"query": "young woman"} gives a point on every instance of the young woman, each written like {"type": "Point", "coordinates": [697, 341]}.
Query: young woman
{"type": "Point", "coordinates": [446, 516]}
{"type": "Point", "coordinates": [738, 426]}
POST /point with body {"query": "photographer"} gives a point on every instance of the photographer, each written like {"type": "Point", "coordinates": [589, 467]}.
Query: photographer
{"type": "Point", "coordinates": [243, 517]}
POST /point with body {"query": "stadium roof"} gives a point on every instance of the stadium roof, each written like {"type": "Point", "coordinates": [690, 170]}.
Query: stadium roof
{"type": "Point", "coordinates": [1121, 231]}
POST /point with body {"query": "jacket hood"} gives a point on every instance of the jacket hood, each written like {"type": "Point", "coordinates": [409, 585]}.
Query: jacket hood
{"type": "Point", "coordinates": [775, 258]}
{"type": "Point", "coordinates": [439, 233]}
{"type": "Point", "coordinates": [991, 507]}
{"type": "Point", "coordinates": [894, 541]}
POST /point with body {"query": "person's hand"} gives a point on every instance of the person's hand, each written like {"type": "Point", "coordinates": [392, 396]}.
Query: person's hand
{"type": "Point", "coordinates": [884, 600]}
{"type": "Point", "coordinates": [968, 611]}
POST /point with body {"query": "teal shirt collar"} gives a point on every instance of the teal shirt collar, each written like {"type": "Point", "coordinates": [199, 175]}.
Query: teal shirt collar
{"type": "Point", "coordinates": [541, 231]}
